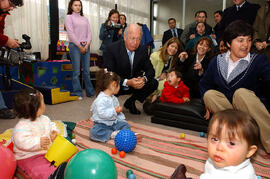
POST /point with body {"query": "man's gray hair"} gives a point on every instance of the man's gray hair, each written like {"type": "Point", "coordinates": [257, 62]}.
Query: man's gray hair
{"type": "Point", "coordinates": [127, 29]}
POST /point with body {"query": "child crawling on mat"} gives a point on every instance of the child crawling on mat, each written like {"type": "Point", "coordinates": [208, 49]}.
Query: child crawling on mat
{"type": "Point", "coordinates": [33, 134]}
{"type": "Point", "coordinates": [107, 113]}
{"type": "Point", "coordinates": [233, 138]}
{"type": "Point", "coordinates": [175, 91]}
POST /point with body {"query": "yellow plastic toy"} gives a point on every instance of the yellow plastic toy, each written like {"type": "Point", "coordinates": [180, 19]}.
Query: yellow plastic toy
{"type": "Point", "coordinates": [60, 150]}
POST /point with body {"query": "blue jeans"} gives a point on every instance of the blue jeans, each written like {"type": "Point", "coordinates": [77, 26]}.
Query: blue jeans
{"type": "Point", "coordinates": [102, 133]}
{"type": "Point", "coordinates": [2, 102]}
{"type": "Point", "coordinates": [76, 59]}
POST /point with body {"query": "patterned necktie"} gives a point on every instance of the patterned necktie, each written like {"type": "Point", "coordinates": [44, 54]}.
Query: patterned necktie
{"type": "Point", "coordinates": [173, 32]}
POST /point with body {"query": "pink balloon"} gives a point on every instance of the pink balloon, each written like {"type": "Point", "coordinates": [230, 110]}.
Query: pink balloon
{"type": "Point", "coordinates": [7, 163]}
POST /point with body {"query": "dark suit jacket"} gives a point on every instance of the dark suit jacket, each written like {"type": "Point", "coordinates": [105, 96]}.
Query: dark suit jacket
{"type": "Point", "coordinates": [116, 59]}
{"type": "Point", "coordinates": [247, 13]}
{"type": "Point", "coordinates": [168, 34]}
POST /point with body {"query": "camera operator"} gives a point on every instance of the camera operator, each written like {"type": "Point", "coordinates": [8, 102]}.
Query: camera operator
{"type": "Point", "coordinates": [5, 7]}
{"type": "Point", "coordinates": [109, 31]}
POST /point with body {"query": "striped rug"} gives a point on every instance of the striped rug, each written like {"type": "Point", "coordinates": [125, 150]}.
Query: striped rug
{"type": "Point", "coordinates": [160, 152]}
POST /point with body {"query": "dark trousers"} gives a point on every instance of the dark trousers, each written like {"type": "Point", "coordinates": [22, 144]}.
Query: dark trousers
{"type": "Point", "coordinates": [143, 93]}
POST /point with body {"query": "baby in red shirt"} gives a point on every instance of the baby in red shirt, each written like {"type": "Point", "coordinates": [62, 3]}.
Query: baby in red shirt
{"type": "Point", "coordinates": [175, 91]}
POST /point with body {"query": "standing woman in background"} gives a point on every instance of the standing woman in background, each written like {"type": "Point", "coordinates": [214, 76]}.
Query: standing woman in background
{"type": "Point", "coordinates": [109, 30]}
{"type": "Point", "coordinates": [79, 34]}
{"type": "Point", "coordinates": [123, 23]}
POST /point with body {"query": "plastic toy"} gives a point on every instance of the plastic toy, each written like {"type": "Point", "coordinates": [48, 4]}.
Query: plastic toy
{"type": "Point", "coordinates": [8, 163]}
{"type": "Point", "coordinates": [122, 154]}
{"type": "Point", "coordinates": [129, 172]}
{"type": "Point", "coordinates": [202, 134]}
{"type": "Point", "coordinates": [58, 48]}
{"type": "Point", "coordinates": [60, 150]}
{"type": "Point", "coordinates": [114, 151]}
{"type": "Point", "coordinates": [91, 163]}
{"type": "Point", "coordinates": [125, 140]}
{"type": "Point", "coordinates": [131, 176]}
{"type": "Point", "coordinates": [182, 135]}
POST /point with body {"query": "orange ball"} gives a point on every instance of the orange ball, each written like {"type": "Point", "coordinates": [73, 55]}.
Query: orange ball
{"type": "Point", "coordinates": [114, 151]}
{"type": "Point", "coordinates": [122, 154]}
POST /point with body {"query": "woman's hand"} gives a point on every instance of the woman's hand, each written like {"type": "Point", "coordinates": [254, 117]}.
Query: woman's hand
{"type": "Point", "coordinates": [44, 142]}
{"type": "Point", "coordinates": [162, 76]}
{"type": "Point", "coordinates": [183, 56]}
{"type": "Point", "coordinates": [82, 50]}
{"type": "Point", "coordinates": [192, 36]}
{"type": "Point", "coordinates": [86, 47]}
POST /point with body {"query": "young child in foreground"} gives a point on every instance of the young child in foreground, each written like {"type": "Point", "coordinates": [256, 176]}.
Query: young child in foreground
{"type": "Point", "coordinates": [233, 137]}
{"type": "Point", "coordinates": [107, 113]}
{"type": "Point", "coordinates": [33, 134]}
{"type": "Point", "coordinates": [175, 91]}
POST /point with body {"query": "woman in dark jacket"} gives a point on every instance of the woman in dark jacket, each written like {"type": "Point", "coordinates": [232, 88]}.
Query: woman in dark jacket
{"type": "Point", "coordinates": [192, 66]}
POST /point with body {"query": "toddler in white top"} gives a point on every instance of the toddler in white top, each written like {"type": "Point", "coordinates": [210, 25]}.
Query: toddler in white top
{"type": "Point", "coordinates": [33, 134]}
{"type": "Point", "coordinates": [233, 137]}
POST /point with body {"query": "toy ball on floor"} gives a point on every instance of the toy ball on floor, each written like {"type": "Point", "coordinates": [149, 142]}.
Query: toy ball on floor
{"type": "Point", "coordinates": [91, 163]}
{"type": "Point", "coordinates": [8, 163]}
{"type": "Point", "coordinates": [125, 140]}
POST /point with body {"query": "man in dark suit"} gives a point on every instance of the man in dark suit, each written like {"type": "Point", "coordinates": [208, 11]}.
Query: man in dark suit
{"type": "Point", "coordinates": [131, 62]}
{"type": "Point", "coordinates": [172, 32]}
{"type": "Point", "coordinates": [241, 10]}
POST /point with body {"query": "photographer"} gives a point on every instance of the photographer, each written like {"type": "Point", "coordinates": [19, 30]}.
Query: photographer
{"type": "Point", "coordinates": [5, 7]}
{"type": "Point", "coordinates": [109, 31]}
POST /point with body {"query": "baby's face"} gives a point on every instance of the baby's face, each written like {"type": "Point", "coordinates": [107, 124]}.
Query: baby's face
{"type": "Point", "coordinates": [172, 79]}
{"type": "Point", "coordinates": [225, 152]}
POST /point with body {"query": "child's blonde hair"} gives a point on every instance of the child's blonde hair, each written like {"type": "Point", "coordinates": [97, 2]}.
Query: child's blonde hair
{"type": "Point", "coordinates": [236, 123]}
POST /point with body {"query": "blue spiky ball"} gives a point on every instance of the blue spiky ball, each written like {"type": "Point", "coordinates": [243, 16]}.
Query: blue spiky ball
{"type": "Point", "coordinates": [125, 140]}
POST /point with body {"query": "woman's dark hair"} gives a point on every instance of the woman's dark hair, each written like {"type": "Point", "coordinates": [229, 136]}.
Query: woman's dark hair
{"type": "Point", "coordinates": [112, 11]}
{"type": "Point", "coordinates": [26, 103]}
{"type": "Point", "coordinates": [236, 123]}
{"type": "Point", "coordinates": [164, 52]}
{"type": "Point", "coordinates": [235, 29]}
{"type": "Point", "coordinates": [17, 3]}
{"type": "Point", "coordinates": [70, 7]}
{"type": "Point", "coordinates": [208, 54]}
{"type": "Point", "coordinates": [104, 79]}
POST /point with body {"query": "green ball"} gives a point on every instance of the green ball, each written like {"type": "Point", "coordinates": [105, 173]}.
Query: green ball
{"type": "Point", "coordinates": [91, 163]}
{"type": "Point", "coordinates": [129, 172]}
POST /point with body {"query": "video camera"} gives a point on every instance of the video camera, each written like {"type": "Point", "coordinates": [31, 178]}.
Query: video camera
{"type": "Point", "coordinates": [17, 56]}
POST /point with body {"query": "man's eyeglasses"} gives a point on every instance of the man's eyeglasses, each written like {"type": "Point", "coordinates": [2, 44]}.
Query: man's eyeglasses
{"type": "Point", "coordinates": [11, 4]}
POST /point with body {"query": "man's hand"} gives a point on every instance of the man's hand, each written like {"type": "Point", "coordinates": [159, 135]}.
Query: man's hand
{"type": "Point", "coordinates": [44, 142]}
{"type": "Point", "coordinates": [136, 83]}
{"type": "Point", "coordinates": [11, 43]}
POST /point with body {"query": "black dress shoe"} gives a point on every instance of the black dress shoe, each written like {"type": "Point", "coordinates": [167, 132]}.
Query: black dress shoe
{"type": "Point", "coordinates": [7, 114]}
{"type": "Point", "coordinates": [130, 105]}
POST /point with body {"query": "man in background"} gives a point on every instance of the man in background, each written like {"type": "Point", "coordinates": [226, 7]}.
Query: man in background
{"type": "Point", "coordinates": [172, 32]}
{"type": "Point", "coordinates": [5, 7]}
{"type": "Point", "coordinates": [217, 29]}
{"type": "Point", "coordinates": [190, 29]}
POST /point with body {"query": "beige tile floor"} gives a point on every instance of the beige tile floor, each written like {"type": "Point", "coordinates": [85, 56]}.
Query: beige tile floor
{"type": "Point", "coordinates": [79, 110]}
